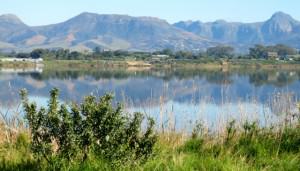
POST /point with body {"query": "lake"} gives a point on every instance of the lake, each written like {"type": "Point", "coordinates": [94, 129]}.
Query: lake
{"type": "Point", "coordinates": [175, 98]}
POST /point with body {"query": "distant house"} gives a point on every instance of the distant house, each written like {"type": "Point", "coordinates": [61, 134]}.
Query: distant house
{"type": "Point", "coordinates": [272, 55]}
{"type": "Point", "coordinates": [158, 58]}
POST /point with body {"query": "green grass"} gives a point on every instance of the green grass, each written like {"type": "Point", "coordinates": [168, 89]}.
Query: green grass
{"type": "Point", "coordinates": [199, 63]}
{"type": "Point", "coordinates": [250, 148]}
{"type": "Point", "coordinates": [205, 63]}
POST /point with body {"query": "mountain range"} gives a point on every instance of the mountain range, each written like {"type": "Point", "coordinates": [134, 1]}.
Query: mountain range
{"type": "Point", "coordinates": [281, 28]}
{"type": "Point", "coordinates": [89, 30]}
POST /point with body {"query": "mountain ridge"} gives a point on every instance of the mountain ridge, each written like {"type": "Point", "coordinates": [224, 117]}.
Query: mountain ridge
{"type": "Point", "coordinates": [280, 28]}
{"type": "Point", "coordinates": [114, 31]}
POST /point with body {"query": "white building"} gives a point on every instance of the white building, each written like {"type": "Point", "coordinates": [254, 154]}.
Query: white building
{"type": "Point", "coordinates": [160, 56]}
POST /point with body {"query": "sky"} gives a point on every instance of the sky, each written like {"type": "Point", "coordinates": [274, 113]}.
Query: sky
{"type": "Point", "coordinates": [43, 12]}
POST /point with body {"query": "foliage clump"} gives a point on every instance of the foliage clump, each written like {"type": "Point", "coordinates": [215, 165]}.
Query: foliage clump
{"type": "Point", "coordinates": [93, 128]}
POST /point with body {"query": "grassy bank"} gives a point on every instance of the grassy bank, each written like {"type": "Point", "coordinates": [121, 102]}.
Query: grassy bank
{"type": "Point", "coordinates": [17, 65]}
{"type": "Point", "coordinates": [251, 148]}
{"type": "Point", "coordinates": [203, 64]}
{"type": "Point", "coordinates": [241, 146]}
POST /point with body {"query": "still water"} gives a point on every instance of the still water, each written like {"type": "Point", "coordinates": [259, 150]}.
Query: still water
{"type": "Point", "coordinates": [175, 98]}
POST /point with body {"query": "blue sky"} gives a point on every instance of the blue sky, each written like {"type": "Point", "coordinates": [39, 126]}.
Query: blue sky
{"type": "Point", "coordinates": [41, 12]}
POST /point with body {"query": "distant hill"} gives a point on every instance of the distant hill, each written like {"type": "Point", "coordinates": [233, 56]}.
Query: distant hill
{"type": "Point", "coordinates": [13, 32]}
{"type": "Point", "coordinates": [89, 30]}
{"type": "Point", "coordinates": [280, 28]}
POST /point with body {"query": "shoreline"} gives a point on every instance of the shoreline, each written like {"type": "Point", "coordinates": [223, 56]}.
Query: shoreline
{"type": "Point", "coordinates": [144, 65]}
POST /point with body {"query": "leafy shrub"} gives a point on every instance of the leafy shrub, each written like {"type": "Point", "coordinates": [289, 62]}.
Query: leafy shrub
{"type": "Point", "coordinates": [22, 142]}
{"type": "Point", "coordinates": [290, 140]}
{"type": "Point", "coordinates": [94, 127]}
{"type": "Point", "coordinates": [193, 145]}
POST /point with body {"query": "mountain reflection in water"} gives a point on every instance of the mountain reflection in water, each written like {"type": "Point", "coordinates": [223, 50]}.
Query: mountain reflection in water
{"type": "Point", "coordinates": [188, 95]}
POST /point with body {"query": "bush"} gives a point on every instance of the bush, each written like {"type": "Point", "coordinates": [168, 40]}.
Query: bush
{"type": "Point", "coordinates": [92, 128]}
{"type": "Point", "coordinates": [193, 145]}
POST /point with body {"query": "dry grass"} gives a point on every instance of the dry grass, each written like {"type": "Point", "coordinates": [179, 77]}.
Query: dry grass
{"type": "Point", "coordinates": [280, 110]}
{"type": "Point", "coordinates": [11, 125]}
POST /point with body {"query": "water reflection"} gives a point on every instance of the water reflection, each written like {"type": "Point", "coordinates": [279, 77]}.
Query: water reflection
{"type": "Point", "coordinates": [147, 90]}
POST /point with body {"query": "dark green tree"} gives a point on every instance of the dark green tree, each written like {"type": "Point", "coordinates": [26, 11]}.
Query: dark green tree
{"type": "Point", "coordinates": [23, 55]}
{"type": "Point", "coordinates": [97, 50]}
{"type": "Point", "coordinates": [258, 51]}
{"type": "Point", "coordinates": [220, 51]}
{"type": "Point", "coordinates": [38, 53]}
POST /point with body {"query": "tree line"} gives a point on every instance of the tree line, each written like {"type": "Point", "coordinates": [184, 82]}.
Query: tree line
{"type": "Point", "coordinates": [255, 52]}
